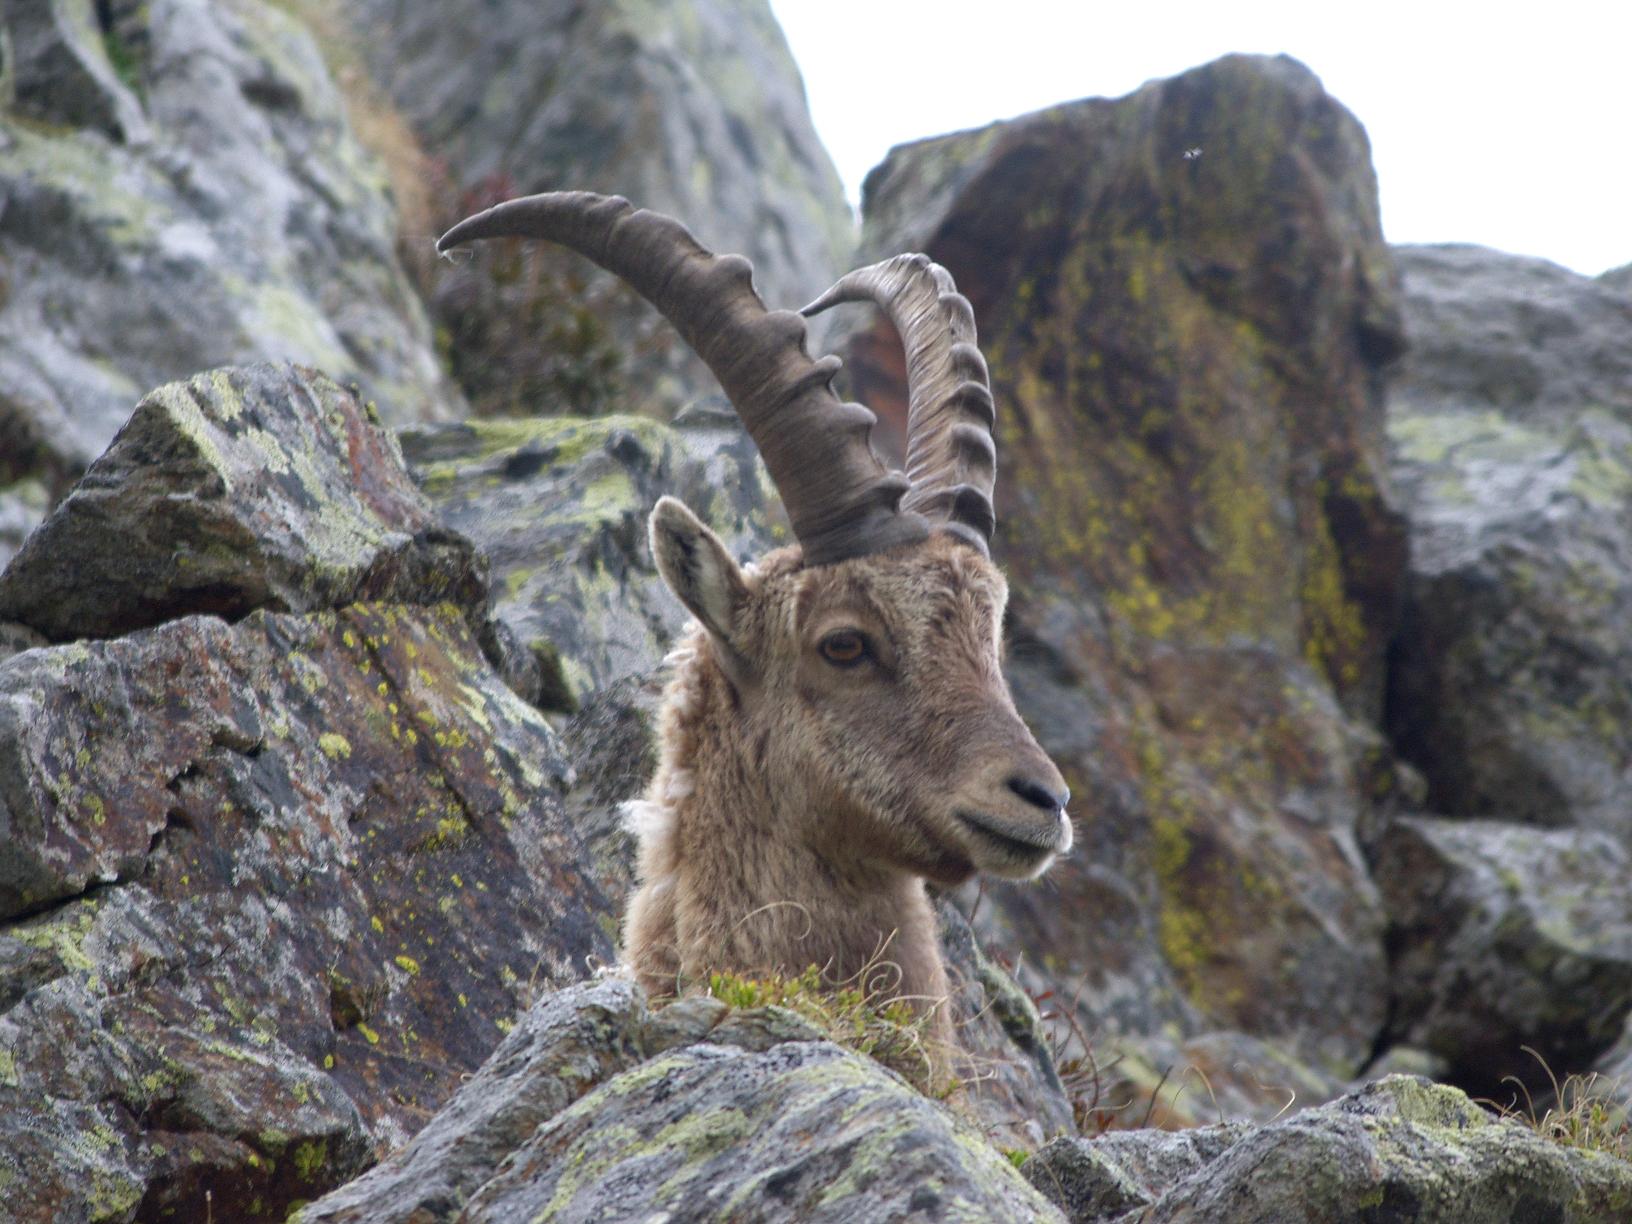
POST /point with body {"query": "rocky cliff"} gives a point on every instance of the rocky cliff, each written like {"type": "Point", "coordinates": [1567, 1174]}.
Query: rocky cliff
{"type": "Point", "coordinates": [316, 708]}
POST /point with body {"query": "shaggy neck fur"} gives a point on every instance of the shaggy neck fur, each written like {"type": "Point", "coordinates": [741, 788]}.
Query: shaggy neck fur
{"type": "Point", "coordinates": [736, 878]}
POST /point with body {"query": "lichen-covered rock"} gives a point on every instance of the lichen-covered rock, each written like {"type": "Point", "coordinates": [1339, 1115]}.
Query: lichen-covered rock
{"type": "Point", "coordinates": [596, 1109]}
{"type": "Point", "coordinates": [57, 70]}
{"type": "Point", "coordinates": [1186, 304]}
{"type": "Point", "coordinates": [1401, 1149]}
{"type": "Point", "coordinates": [694, 109]}
{"type": "Point", "coordinates": [1504, 936]}
{"type": "Point", "coordinates": [261, 487]}
{"type": "Point", "coordinates": [179, 189]}
{"type": "Point", "coordinates": [1512, 453]}
{"type": "Point", "coordinates": [269, 890]}
{"type": "Point", "coordinates": [1005, 1058]}
{"type": "Point", "coordinates": [559, 507]}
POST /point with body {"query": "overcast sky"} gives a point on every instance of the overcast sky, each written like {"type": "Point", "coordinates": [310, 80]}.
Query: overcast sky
{"type": "Point", "coordinates": [1504, 124]}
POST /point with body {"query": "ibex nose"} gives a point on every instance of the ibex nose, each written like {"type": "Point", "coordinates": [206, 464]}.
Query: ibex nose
{"type": "Point", "coordinates": [1039, 795]}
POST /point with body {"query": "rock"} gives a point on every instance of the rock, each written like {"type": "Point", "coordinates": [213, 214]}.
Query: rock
{"type": "Point", "coordinates": [1005, 1064]}
{"type": "Point", "coordinates": [269, 890]}
{"type": "Point", "coordinates": [1510, 334]}
{"type": "Point", "coordinates": [1512, 455]}
{"type": "Point", "coordinates": [1186, 353]}
{"type": "Point", "coordinates": [1398, 1149]}
{"type": "Point", "coordinates": [612, 743]}
{"type": "Point", "coordinates": [559, 506]}
{"type": "Point", "coordinates": [696, 110]}
{"type": "Point", "coordinates": [1124, 1171]}
{"type": "Point", "coordinates": [196, 200]}
{"type": "Point", "coordinates": [1505, 936]}
{"type": "Point", "coordinates": [595, 1109]}
{"type": "Point", "coordinates": [564, 1047]}
{"type": "Point", "coordinates": [60, 73]}
{"type": "Point", "coordinates": [263, 487]}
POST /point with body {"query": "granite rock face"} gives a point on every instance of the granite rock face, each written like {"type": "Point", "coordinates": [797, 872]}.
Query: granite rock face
{"type": "Point", "coordinates": [268, 888]}
{"type": "Point", "coordinates": [696, 110]}
{"type": "Point", "coordinates": [1187, 307]}
{"type": "Point", "coordinates": [179, 189]}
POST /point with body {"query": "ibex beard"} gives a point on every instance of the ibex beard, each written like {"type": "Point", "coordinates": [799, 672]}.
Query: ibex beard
{"type": "Point", "coordinates": [837, 730]}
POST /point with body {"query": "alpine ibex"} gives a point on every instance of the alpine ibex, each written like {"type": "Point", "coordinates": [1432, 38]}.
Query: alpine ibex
{"type": "Point", "coordinates": [838, 729]}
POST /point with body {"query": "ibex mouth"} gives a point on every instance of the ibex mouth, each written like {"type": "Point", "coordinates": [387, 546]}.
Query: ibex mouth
{"type": "Point", "coordinates": [1026, 844]}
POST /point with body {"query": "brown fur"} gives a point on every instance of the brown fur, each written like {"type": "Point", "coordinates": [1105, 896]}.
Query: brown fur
{"type": "Point", "coordinates": [799, 806]}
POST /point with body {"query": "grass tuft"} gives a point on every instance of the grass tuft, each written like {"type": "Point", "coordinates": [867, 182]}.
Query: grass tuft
{"type": "Point", "coordinates": [1583, 1114]}
{"type": "Point", "coordinates": [890, 1031]}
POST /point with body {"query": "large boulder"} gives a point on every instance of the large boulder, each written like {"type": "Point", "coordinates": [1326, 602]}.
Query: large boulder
{"type": "Point", "coordinates": [1398, 1149]}
{"type": "Point", "coordinates": [179, 189]}
{"type": "Point", "coordinates": [596, 1109]}
{"type": "Point", "coordinates": [268, 486]}
{"type": "Point", "coordinates": [1505, 936]}
{"type": "Point", "coordinates": [1187, 307]}
{"type": "Point", "coordinates": [1511, 427]}
{"type": "Point", "coordinates": [693, 109]}
{"type": "Point", "coordinates": [268, 888]}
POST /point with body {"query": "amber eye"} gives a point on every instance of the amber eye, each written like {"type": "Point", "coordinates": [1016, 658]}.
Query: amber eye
{"type": "Point", "coordinates": [845, 648]}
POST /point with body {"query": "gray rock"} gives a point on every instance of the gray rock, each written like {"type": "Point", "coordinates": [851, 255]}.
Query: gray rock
{"type": "Point", "coordinates": [60, 73]}
{"type": "Point", "coordinates": [1123, 1171]}
{"type": "Point", "coordinates": [204, 204]}
{"type": "Point", "coordinates": [1505, 935]}
{"type": "Point", "coordinates": [264, 487]}
{"type": "Point", "coordinates": [559, 506]}
{"type": "Point", "coordinates": [1006, 1061]}
{"type": "Point", "coordinates": [566, 1046]}
{"type": "Point", "coordinates": [803, 1130]}
{"type": "Point", "coordinates": [1400, 1149]}
{"type": "Point", "coordinates": [1511, 430]}
{"type": "Point", "coordinates": [1511, 334]}
{"type": "Point", "coordinates": [269, 890]}
{"type": "Point", "coordinates": [596, 1109]}
{"type": "Point", "coordinates": [696, 110]}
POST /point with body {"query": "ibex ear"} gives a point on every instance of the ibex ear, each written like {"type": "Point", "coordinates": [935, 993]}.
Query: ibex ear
{"type": "Point", "coordinates": [697, 568]}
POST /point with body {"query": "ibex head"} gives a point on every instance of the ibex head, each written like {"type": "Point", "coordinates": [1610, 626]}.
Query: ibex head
{"type": "Point", "coordinates": [858, 674]}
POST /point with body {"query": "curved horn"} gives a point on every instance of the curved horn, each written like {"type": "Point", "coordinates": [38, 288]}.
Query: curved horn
{"type": "Point", "coordinates": [840, 498]}
{"type": "Point", "coordinates": [951, 458]}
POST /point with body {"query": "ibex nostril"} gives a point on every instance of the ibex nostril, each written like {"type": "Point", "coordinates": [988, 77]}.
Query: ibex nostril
{"type": "Point", "coordinates": [1038, 795]}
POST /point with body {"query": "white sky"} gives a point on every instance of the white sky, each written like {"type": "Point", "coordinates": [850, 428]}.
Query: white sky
{"type": "Point", "coordinates": [1494, 122]}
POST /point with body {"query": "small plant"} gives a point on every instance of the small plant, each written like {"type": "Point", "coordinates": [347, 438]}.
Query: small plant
{"type": "Point", "coordinates": [890, 1031]}
{"type": "Point", "coordinates": [1583, 1114]}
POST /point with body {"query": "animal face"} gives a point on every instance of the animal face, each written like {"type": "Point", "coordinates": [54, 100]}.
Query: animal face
{"type": "Point", "coordinates": [872, 699]}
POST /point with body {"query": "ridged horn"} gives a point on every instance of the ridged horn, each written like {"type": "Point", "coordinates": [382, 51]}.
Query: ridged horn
{"type": "Point", "coordinates": [840, 498]}
{"type": "Point", "coordinates": [951, 457]}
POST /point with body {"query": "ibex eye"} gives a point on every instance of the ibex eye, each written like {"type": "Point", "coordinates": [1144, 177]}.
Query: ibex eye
{"type": "Point", "coordinates": [845, 648]}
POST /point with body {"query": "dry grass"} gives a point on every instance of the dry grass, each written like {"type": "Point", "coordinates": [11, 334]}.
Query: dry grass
{"type": "Point", "coordinates": [890, 1031]}
{"type": "Point", "coordinates": [1583, 1114]}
